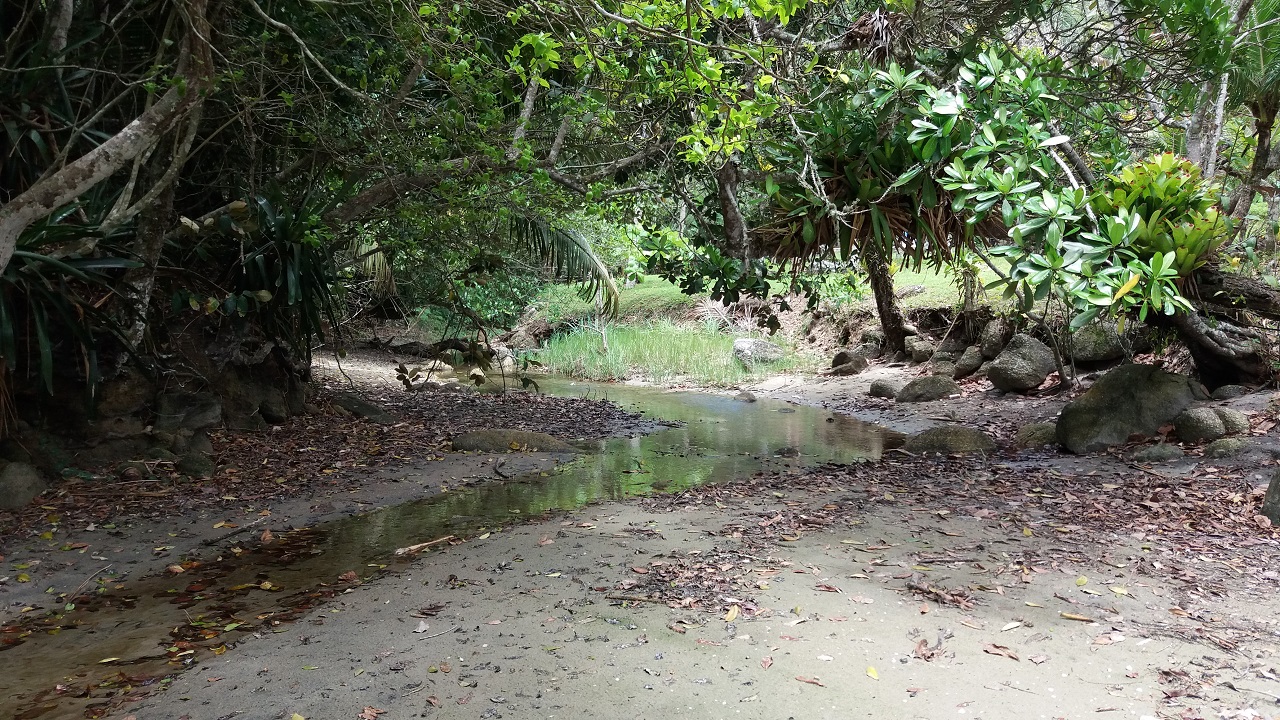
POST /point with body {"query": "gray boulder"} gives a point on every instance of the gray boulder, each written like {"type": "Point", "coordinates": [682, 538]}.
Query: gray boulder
{"type": "Point", "coordinates": [856, 364]}
{"type": "Point", "coordinates": [1129, 399]}
{"type": "Point", "coordinates": [929, 387]}
{"type": "Point", "coordinates": [970, 360]}
{"type": "Point", "coordinates": [197, 465]}
{"type": "Point", "coordinates": [950, 439]}
{"type": "Point", "coordinates": [844, 357]}
{"type": "Point", "coordinates": [745, 396]}
{"type": "Point", "coordinates": [945, 368]}
{"type": "Point", "coordinates": [188, 411]}
{"type": "Point", "coordinates": [1225, 448]}
{"type": "Point", "coordinates": [360, 407]}
{"type": "Point", "coordinates": [994, 335]}
{"type": "Point", "coordinates": [1096, 342]}
{"type": "Point", "coordinates": [1199, 424]}
{"type": "Point", "coordinates": [20, 483]}
{"type": "Point", "coordinates": [918, 348]}
{"type": "Point", "coordinates": [1023, 364]}
{"type": "Point", "coordinates": [1271, 501]}
{"type": "Point", "coordinates": [883, 388]}
{"type": "Point", "coordinates": [1036, 435]}
{"type": "Point", "coordinates": [1161, 452]}
{"type": "Point", "coordinates": [869, 350]}
{"type": "Point", "coordinates": [1229, 392]}
{"type": "Point", "coordinates": [1233, 421]}
{"type": "Point", "coordinates": [872, 336]}
{"type": "Point", "coordinates": [751, 351]}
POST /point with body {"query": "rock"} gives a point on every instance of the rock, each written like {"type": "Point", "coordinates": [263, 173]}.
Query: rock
{"type": "Point", "coordinates": [360, 407]}
{"type": "Point", "coordinates": [1271, 501]}
{"type": "Point", "coordinates": [945, 368]}
{"type": "Point", "coordinates": [950, 439]}
{"type": "Point", "coordinates": [929, 387]}
{"type": "Point", "coordinates": [274, 407]}
{"type": "Point", "coordinates": [745, 396]}
{"type": "Point", "coordinates": [910, 291]}
{"type": "Point", "coordinates": [1096, 342]}
{"type": "Point", "coordinates": [1233, 421]}
{"type": "Point", "coordinates": [1036, 435]}
{"type": "Point", "coordinates": [1023, 364]}
{"type": "Point", "coordinates": [159, 453]}
{"type": "Point", "coordinates": [1198, 424]}
{"type": "Point", "coordinates": [873, 336]}
{"type": "Point", "coordinates": [750, 351]}
{"type": "Point", "coordinates": [1162, 452]}
{"type": "Point", "coordinates": [529, 335]}
{"type": "Point", "coordinates": [1129, 399]}
{"type": "Point", "coordinates": [856, 364]}
{"type": "Point", "coordinates": [910, 329]}
{"type": "Point", "coordinates": [500, 440]}
{"type": "Point", "coordinates": [918, 348]}
{"type": "Point", "coordinates": [197, 465]}
{"type": "Point", "coordinates": [943, 356]}
{"type": "Point", "coordinates": [189, 411]}
{"type": "Point", "coordinates": [200, 442]}
{"type": "Point", "coordinates": [20, 483]}
{"type": "Point", "coordinates": [1225, 448]}
{"type": "Point", "coordinates": [125, 394]}
{"type": "Point", "coordinates": [841, 357]}
{"type": "Point", "coordinates": [869, 350]}
{"type": "Point", "coordinates": [883, 388]}
{"type": "Point", "coordinates": [970, 360]}
{"type": "Point", "coordinates": [899, 357]}
{"type": "Point", "coordinates": [476, 376]}
{"type": "Point", "coordinates": [1229, 392]}
{"type": "Point", "coordinates": [994, 335]}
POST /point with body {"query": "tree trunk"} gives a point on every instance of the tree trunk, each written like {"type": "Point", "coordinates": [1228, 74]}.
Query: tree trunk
{"type": "Point", "coordinates": [195, 67]}
{"type": "Point", "coordinates": [1267, 243]}
{"type": "Point", "coordinates": [881, 281]}
{"type": "Point", "coordinates": [153, 222]}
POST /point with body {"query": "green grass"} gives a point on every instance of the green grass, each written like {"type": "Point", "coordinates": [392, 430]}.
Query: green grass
{"type": "Point", "coordinates": [939, 288]}
{"type": "Point", "coordinates": [660, 351]}
{"type": "Point", "coordinates": [653, 298]}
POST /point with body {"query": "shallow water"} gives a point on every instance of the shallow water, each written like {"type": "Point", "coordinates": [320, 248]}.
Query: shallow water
{"type": "Point", "coordinates": [158, 625]}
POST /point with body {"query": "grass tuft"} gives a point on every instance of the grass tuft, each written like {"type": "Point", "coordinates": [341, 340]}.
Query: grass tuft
{"type": "Point", "coordinates": [659, 351]}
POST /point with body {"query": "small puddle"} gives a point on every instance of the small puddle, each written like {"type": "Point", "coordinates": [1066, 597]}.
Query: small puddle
{"type": "Point", "coordinates": [122, 643]}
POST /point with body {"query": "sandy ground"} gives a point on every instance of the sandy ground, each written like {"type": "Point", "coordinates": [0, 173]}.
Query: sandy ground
{"type": "Point", "coordinates": [899, 604]}
{"type": "Point", "coordinates": [529, 623]}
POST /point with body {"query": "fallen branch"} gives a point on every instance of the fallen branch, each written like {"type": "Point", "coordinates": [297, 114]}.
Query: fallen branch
{"type": "Point", "coordinates": [415, 549]}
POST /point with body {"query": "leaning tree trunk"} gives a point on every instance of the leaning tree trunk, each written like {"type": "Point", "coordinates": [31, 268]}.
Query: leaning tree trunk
{"type": "Point", "coordinates": [878, 275]}
{"type": "Point", "coordinates": [1232, 336]}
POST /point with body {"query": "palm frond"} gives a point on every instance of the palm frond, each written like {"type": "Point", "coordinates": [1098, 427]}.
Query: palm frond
{"type": "Point", "coordinates": [571, 256]}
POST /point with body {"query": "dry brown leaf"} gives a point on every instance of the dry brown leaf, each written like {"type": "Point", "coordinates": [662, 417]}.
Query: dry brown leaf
{"type": "Point", "coordinates": [811, 681]}
{"type": "Point", "coordinates": [767, 662]}
{"type": "Point", "coordinates": [993, 649]}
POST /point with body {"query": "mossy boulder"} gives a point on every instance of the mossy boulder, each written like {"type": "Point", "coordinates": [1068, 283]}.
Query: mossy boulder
{"type": "Point", "coordinates": [918, 348]}
{"type": "Point", "coordinates": [1129, 399]}
{"type": "Point", "coordinates": [1233, 421]}
{"type": "Point", "coordinates": [1161, 452]}
{"type": "Point", "coordinates": [1225, 448]}
{"type": "Point", "coordinates": [970, 360]}
{"type": "Point", "coordinates": [1199, 424]}
{"type": "Point", "coordinates": [883, 388]}
{"type": "Point", "coordinates": [1228, 392]}
{"type": "Point", "coordinates": [1023, 364]}
{"type": "Point", "coordinates": [949, 440]}
{"type": "Point", "coordinates": [20, 483]}
{"type": "Point", "coordinates": [927, 388]}
{"type": "Point", "coordinates": [1036, 435]}
{"type": "Point", "coordinates": [501, 440]}
{"type": "Point", "coordinates": [1096, 342]}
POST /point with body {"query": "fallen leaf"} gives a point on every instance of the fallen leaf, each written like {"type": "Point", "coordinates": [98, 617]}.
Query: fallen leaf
{"type": "Point", "coordinates": [266, 537]}
{"type": "Point", "coordinates": [546, 541]}
{"type": "Point", "coordinates": [767, 662]}
{"type": "Point", "coordinates": [732, 614]}
{"type": "Point", "coordinates": [1119, 590]}
{"type": "Point", "coordinates": [349, 576]}
{"type": "Point", "coordinates": [422, 626]}
{"type": "Point", "coordinates": [370, 713]}
{"type": "Point", "coordinates": [1011, 626]}
{"type": "Point", "coordinates": [993, 649]}
{"type": "Point", "coordinates": [1082, 581]}
{"type": "Point", "coordinates": [1074, 616]}
{"type": "Point", "coordinates": [1038, 659]}
{"type": "Point", "coordinates": [640, 570]}
{"type": "Point", "coordinates": [811, 681]}
{"type": "Point", "coordinates": [871, 673]}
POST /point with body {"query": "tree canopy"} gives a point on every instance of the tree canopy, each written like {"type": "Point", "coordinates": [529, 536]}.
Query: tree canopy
{"type": "Point", "coordinates": [255, 167]}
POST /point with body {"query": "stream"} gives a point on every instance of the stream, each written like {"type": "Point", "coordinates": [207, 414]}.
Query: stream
{"type": "Point", "coordinates": [83, 661]}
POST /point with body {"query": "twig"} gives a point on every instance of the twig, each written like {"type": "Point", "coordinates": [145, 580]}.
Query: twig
{"type": "Point", "coordinates": [634, 598]}
{"type": "Point", "coordinates": [413, 549]}
{"type": "Point", "coordinates": [442, 632]}
{"type": "Point", "coordinates": [76, 592]}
